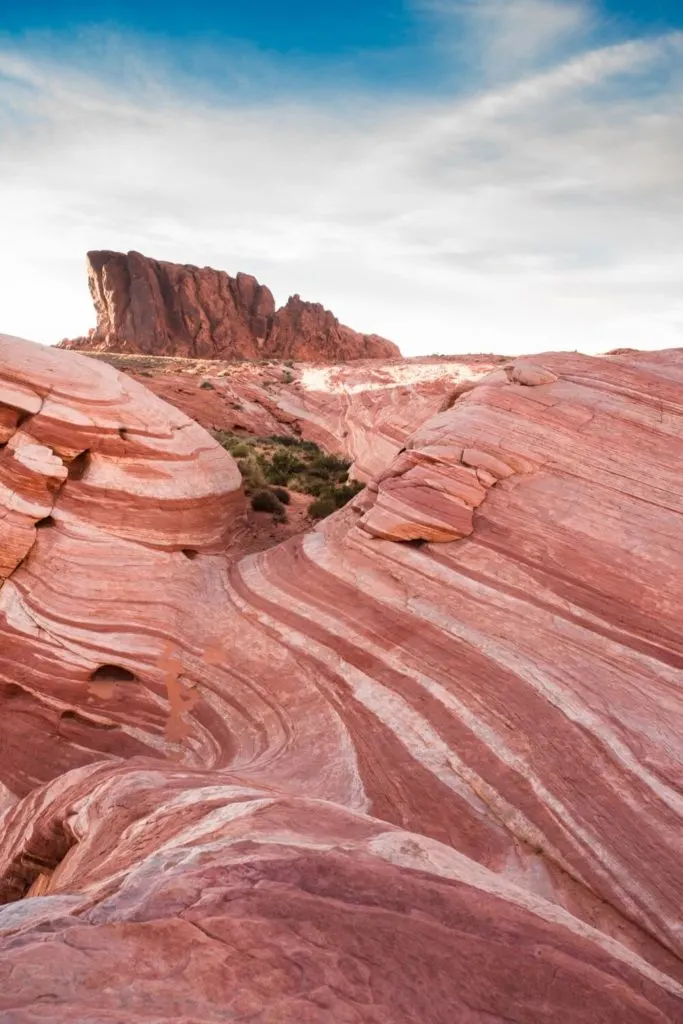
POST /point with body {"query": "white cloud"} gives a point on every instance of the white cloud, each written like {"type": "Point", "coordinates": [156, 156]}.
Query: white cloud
{"type": "Point", "coordinates": [504, 37]}
{"type": "Point", "coordinates": [537, 212]}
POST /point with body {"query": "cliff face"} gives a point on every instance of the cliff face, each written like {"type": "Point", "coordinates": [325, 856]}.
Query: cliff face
{"type": "Point", "coordinates": [156, 308]}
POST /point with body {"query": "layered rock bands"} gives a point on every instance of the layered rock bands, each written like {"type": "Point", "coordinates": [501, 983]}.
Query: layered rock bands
{"type": "Point", "coordinates": [421, 764]}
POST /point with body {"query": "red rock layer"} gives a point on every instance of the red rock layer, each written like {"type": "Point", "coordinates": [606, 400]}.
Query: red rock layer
{"type": "Point", "coordinates": [352, 778]}
{"type": "Point", "coordinates": [149, 306]}
{"type": "Point", "coordinates": [362, 410]}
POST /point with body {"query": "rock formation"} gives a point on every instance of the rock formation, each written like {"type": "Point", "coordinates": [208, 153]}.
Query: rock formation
{"type": "Point", "coordinates": [362, 410]}
{"type": "Point", "coordinates": [149, 306]}
{"type": "Point", "coordinates": [421, 764]}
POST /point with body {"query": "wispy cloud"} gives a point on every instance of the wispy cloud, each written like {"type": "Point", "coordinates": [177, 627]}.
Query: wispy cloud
{"type": "Point", "coordinates": [501, 38]}
{"type": "Point", "coordinates": [537, 205]}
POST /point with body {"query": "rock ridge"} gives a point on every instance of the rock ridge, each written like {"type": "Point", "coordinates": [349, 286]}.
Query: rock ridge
{"type": "Point", "coordinates": [154, 307]}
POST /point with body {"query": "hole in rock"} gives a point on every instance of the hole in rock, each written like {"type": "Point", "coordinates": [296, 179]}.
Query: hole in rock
{"type": "Point", "coordinates": [45, 523]}
{"type": "Point", "coordinates": [112, 674]}
{"type": "Point", "coordinates": [78, 466]}
{"type": "Point", "coordinates": [417, 543]}
{"type": "Point", "coordinates": [190, 553]}
{"type": "Point", "coordinates": [123, 434]}
{"type": "Point", "coordinates": [39, 861]}
{"type": "Point", "coordinates": [31, 869]}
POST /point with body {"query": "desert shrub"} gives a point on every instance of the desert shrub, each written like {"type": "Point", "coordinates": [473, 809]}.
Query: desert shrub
{"type": "Point", "coordinates": [282, 495]}
{"type": "Point", "coordinates": [282, 439]}
{"type": "Point", "coordinates": [331, 498]}
{"type": "Point", "coordinates": [346, 492]}
{"type": "Point", "coordinates": [266, 501]}
{"type": "Point", "coordinates": [289, 362]}
{"type": "Point", "coordinates": [252, 473]}
{"type": "Point", "coordinates": [286, 462]}
{"type": "Point", "coordinates": [207, 385]}
{"type": "Point", "coordinates": [283, 464]}
{"type": "Point", "coordinates": [330, 465]}
{"type": "Point", "coordinates": [308, 485]}
{"type": "Point", "coordinates": [287, 377]}
{"type": "Point", "coordinates": [230, 441]}
{"type": "Point", "coordinates": [321, 508]}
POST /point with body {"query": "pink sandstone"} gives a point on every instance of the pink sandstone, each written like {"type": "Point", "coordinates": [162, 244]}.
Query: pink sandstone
{"type": "Point", "coordinates": [363, 410]}
{"type": "Point", "coordinates": [350, 778]}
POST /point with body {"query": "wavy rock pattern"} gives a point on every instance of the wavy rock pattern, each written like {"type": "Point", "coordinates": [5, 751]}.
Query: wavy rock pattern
{"type": "Point", "coordinates": [436, 781]}
{"type": "Point", "coordinates": [365, 410]}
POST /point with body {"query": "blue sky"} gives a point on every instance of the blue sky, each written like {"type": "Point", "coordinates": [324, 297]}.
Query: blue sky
{"type": "Point", "coordinates": [459, 175]}
{"type": "Point", "coordinates": [297, 26]}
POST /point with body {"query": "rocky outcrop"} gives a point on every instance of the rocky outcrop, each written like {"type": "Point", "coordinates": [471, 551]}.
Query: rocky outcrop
{"type": "Point", "coordinates": [362, 410]}
{"type": "Point", "coordinates": [351, 778]}
{"type": "Point", "coordinates": [149, 306]}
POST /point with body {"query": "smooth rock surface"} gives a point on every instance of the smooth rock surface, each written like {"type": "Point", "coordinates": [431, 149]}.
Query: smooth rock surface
{"type": "Point", "coordinates": [150, 306]}
{"type": "Point", "coordinates": [349, 778]}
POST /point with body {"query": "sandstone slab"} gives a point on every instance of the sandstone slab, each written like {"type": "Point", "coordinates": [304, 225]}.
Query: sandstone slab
{"type": "Point", "coordinates": [349, 778]}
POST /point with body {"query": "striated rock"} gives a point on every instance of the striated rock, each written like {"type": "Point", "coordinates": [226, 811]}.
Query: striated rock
{"type": "Point", "coordinates": [153, 307]}
{"type": "Point", "coordinates": [349, 778]}
{"type": "Point", "coordinates": [225, 902]}
{"type": "Point", "coordinates": [105, 492]}
{"type": "Point", "coordinates": [363, 410]}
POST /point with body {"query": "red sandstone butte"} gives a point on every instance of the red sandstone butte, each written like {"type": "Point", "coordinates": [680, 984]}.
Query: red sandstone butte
{"type": "Point", "coordinates": [421, 764]}
{"type": "Point", "coordinates": [153, 307]}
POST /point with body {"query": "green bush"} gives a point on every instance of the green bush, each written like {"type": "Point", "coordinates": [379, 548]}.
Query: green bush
{"type": "Point", "coordinates": [282, 495]}
{"type": "Point", "coordinates": [266, 501]}
{"type": "Point", "coordinates": [330, 465]}
{"type": "Point", "coordinates": [308, 485]}
{"type": "Point", "coordinates": [206, 384]}
{"type": "Point", "coordinates": [286, 462]}
{"type": "Point", "coordinates": [283, 439]}
{"type": "Point", "coordinates": [346, 492]}
{"type": "Point", "coordinates": [252, 473]}
{"type": "Point", "coordinates": [321, 508]}
{"type": "Point", "coordinates": [287, 377]}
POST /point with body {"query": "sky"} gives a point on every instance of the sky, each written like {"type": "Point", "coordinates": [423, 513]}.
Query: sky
{"type": "Point", "coordinates": [456, 175]}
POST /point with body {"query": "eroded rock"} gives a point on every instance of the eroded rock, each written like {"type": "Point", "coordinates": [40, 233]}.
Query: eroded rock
{"type": "Point", "coordinates": [436, 782]}
{"type": "Point", "coordinates": [168, 309]}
